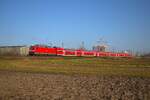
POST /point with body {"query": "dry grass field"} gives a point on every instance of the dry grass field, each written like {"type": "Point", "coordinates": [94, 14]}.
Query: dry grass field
{"type": "Point", "coordinates": [72, 78]}
{"type": "Point", "coordinates": [78, 65]}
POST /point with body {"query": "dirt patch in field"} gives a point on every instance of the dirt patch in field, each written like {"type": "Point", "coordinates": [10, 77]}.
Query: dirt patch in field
{"type": "Point", "coordinates": [31, 86]}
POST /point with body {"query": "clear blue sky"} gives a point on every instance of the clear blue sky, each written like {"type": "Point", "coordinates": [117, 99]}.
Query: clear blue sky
{"type": "Point", "coordinates": [124, 24]}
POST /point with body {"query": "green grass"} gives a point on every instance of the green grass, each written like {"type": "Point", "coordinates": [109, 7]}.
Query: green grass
{"type": "Point", "coordinates": [78, 65]}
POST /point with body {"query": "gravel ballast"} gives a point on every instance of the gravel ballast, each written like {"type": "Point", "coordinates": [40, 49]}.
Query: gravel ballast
{"type": "Point", "coordinates": [36, 86]}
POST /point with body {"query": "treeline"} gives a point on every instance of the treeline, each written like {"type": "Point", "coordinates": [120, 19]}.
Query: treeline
{"type": "Point", "coordinates": [146, 55]}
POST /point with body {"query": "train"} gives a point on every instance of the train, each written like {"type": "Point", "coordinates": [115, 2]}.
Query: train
{"type": "Point", "coordinates": [59, 51]}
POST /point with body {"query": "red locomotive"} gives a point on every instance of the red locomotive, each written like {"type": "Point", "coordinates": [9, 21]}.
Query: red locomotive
{"type": "Point", "coordinates": [46, 50]}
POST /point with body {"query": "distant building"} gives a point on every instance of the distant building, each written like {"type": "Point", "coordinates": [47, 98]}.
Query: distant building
{"type": "Point", "coordinates": [98, 48]}
{"type": "Point", "coordinates": [14, 50]}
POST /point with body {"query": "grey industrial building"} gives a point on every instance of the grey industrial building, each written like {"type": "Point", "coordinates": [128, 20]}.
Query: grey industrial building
{"type": "Point", "coordinates": [14, 50]}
